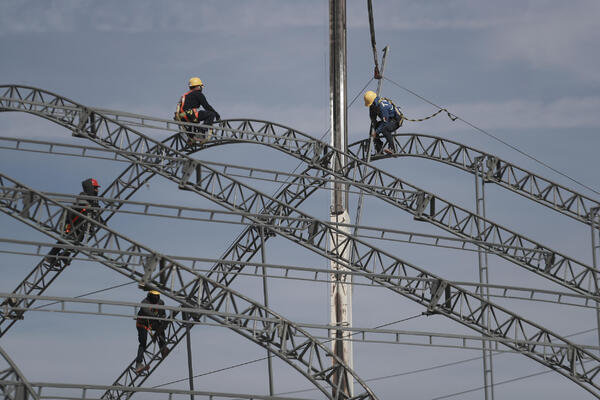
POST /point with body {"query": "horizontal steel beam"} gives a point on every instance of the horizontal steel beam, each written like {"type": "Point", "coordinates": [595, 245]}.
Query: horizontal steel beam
{"type": "Point", "coordinates": [122, 309]}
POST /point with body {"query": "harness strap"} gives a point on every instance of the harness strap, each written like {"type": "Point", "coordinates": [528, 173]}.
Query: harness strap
{"type": "Point", "coordinates": [141, 325]}
{"type": "Point", "coordinates": [185, 115]}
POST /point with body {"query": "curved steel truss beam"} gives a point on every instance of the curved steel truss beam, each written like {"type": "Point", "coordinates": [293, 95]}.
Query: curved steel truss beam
{"type": "Point", "coordinates": [110, 133]}
{"type": "Point", "coordinates": [510, 176]}
{"type": "Point", "coordinates": [503, 173]}
{"type": "Point", "coordinates": [13, 384]}
{"type": "Point", "coordinates": [439, 297]}
{"type": "Point", "coordinates": [423, 205]}
{"type": "Point", "coordinates": [191, 289]}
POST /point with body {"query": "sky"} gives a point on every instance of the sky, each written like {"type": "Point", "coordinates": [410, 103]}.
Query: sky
{"type": "Point", "coordinates": [526, 72]}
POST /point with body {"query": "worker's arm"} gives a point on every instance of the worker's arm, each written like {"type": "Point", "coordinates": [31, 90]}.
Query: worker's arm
{"type": "Point", "coordinates": [373, 116]}
{"type": "Point", "coordinates": [204, 103]}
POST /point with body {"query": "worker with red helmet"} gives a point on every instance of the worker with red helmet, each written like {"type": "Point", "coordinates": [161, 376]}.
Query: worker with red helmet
{"type": "Point", "coordinates": [75, 227]}
{"type": "Point", "coordinates": [147, 325]}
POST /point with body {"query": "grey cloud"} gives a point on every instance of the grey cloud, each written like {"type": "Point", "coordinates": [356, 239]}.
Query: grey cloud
{"type": "Point", "coordinates": [562, 37]}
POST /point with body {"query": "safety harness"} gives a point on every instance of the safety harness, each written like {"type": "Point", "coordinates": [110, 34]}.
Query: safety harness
{"type": "Point", "coordinates": [190, 115]}
{"type": "Point", "coordinates": [148, 325]}
{"type": "Point", "coordinates": [69, 227]}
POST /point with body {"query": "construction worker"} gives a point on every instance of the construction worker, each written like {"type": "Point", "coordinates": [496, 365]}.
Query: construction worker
{"type": "Point", "coordinates": [146, 325]}
{"type": "Point", "coordinates": [75, 227]}
{"type": "Point", "coordinates": [390, 119]}
{"type": "Point", "coordinates": [188, 110]}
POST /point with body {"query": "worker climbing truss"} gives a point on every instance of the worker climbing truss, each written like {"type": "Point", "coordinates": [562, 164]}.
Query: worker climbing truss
{"type": "Point", "coordinates": [279, 215]}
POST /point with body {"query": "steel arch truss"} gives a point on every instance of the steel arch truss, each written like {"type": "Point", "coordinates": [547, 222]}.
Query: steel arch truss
{"type": "Point", "coordinates": [436, 294]}
{"type": "Point", "coordinates": [191, 289]}
{"type": "Point", "coordinates": [423, 205]}
{"type": "Point", "coordinates": [510, 176]}
{"type": "Point", "coordinates": [553, 195]}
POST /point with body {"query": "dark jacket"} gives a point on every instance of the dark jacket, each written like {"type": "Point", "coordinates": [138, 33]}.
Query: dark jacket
{"type": "Point", "coordinates": [194, 99]}
{"type": "Point", "coordinates": [384, 109]}
{"type": "Point", "coordinates": [149, 311]}
{"type": "Point", "coordinates": [74, 222]}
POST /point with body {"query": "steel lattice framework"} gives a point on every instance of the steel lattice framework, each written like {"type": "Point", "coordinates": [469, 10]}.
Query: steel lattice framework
{"type": "Point", "coordinates": [13, 384]}
{"type": "Point", "coordinates": [436, 294]}
{"type": "Point", "coordinates": [191, 289]}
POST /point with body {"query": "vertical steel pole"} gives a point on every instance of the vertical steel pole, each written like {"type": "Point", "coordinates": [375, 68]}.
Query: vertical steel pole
{"type": "Point", "coordinates": [488, 375]}
{"type": "Point", "coordinates": [340, 288]}
{"type": "Point", "coordinates": [370, 146]}
{"type": "Point", "coordinates": [263, 253]}
{"type": "Point", "coordinates": [595, 248]}
{"type": "Point", "coordinates": [189, 354]}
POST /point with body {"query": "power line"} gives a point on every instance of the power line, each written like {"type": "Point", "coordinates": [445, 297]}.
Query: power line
{"type": "Point", "coordinates": [265, 358]}
{"type": "Point", "coordinates": [450, 364]}
{"type": "Point", "coordinates": [496, 138]}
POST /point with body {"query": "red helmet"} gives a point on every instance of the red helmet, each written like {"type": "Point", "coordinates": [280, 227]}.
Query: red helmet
{"type": "Point", "coordinates": [95, 183]}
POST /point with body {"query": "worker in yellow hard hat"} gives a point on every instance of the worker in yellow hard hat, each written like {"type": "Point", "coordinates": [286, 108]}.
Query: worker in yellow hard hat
{"type": "Point", "coordinates": [188, 110]}
{"type": "Point", "coordinates": [146, 325]}
{"type": "Point", "coordinates": [390, 119]}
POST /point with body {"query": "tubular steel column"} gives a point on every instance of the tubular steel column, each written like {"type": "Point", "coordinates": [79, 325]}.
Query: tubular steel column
{"type": "Point", "coordinates": [488, 375]}
{"type": "Point", "coordinates": [189, 354]}
{"type": "Point", "coordinates": [263, 253]}
{"type": "Point", "coordinates": [595, 253]}
{"type": "Point", "coordinates": [340, 288]}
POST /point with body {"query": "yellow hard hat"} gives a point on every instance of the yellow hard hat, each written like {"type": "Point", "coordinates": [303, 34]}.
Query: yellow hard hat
{"type": "Point", "coordinates": [156, 292]}
{"type": "Point", "coordinates": [369, 98]}
{"type": "Point", "coordinates": [195, 81]}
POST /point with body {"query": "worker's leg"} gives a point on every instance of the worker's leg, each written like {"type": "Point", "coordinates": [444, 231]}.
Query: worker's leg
{"type": "Point", "coordinates": [206, 117]}
{"type": "Point", "coordinates": [376, 139]}
{"type": "Point", "coordinates": [388, 128]}
{"type": "Point", "coordinates": [142, 340]}
{"type": "Point", "coordinates": [162, 342]}
{"type": "Point", "coordinates": [52, 256]}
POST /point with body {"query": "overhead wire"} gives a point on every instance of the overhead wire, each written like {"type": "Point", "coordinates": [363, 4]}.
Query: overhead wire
{"type": "Point", "coordinates": [450, 364]}
{"type": "Point", "coordinates": [265, 358]}
{"type": "Point", "coordinates": [328, 129]}
{"type": "Point", "coordinates": [454, 117]}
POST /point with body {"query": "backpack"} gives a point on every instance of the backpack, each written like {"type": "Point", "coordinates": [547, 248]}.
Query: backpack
{"type": "Point", "coordinates": [389, 110]}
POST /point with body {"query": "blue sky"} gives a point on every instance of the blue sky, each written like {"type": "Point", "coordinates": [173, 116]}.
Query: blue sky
{"type": "Point", "coordinates": [525, 71]}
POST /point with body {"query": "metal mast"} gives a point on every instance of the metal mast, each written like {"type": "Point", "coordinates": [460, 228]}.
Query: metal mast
{"type": "Point", "coordinates": [340, 288]}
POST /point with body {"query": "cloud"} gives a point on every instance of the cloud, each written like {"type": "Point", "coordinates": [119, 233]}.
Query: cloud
{"type": "Point", "coordinates": [563, 36]}
{"type": "Point", "coordinates": [152, 16]}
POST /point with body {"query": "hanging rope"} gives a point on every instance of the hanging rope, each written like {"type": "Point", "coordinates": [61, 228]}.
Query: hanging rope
{"type": "Point", "coordinates": [452, 117]}
{"type": "Point", "coordinates": [376, 73]}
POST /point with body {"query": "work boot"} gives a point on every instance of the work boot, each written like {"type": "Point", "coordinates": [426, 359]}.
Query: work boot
{"type": "Point", "coordinates": [389, 151]}
{"type": "Point", "coordinates": [378, 146]}
{"type": "Point", "coordinates": [164, 351]}
{"type": "Point", "coordinates": [139, 367]}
